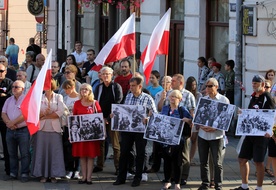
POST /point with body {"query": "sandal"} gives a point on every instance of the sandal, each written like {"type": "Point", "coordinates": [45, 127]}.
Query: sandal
{"type": "Point", "coordinates": [212, 184]}
{"type": "Point", "coordinates": [273, 182]}
{"type": "Point", "coordinates": [268, 172]}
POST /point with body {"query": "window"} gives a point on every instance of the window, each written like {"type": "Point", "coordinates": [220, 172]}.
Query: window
{"type": "Point", "coordinates": [217, 29]}
{"type": "Point", "coordinates": [176, 49]}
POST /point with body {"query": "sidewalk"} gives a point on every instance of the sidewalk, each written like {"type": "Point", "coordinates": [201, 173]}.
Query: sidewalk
{"type": "Point", "coordinates": [103, 180]}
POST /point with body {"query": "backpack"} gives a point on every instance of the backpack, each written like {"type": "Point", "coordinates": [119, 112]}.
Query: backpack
{"type": "Point", "coordinates": [32, 75]}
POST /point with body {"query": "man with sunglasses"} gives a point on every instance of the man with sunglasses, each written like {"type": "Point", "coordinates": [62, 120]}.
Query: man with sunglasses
{"type": "Point", "coordinates": [5, 93]}
{"type": "Point", "coordinates": [18, 136]}
{"type": "Point", "coordinates": [211, 140]}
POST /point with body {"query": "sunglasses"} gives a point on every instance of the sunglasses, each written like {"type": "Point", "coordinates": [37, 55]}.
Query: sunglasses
{"type": "Point", "coordinates": [2, 71]}
{"type": "Point", "coordinates": [210, 86]}
{"type": "Point", "coordinates": [67, 72]}
{"type": "Point", "coordinates": [267, 86]}
{"type": "Point", "coordinates": [16, 87]}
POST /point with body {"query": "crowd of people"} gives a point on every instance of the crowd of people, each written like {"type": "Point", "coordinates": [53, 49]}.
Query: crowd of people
{"type": "Point", "coordinates": [83, 87]}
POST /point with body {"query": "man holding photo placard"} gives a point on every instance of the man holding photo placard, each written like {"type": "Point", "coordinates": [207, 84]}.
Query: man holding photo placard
{"type": "Point", "coordinates": [211, 140]}
{"type": "Point", "coordinates": [255, 146]}
{"type": "Point", "coordinates": [136, 97]}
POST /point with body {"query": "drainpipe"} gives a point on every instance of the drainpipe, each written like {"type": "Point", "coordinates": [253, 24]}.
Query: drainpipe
{"type": "Point", "coordinates": [6, 27]}
{"type": "Point", "coordinates": [238, 58]}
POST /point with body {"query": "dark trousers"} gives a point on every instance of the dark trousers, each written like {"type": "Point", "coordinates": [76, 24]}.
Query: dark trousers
{"type": "Point", "coordinates": [127, 141]}
{"type": "Point", "coordinates": [172, 163]}
{"type": "Point", "coordinates": [186, 159]}
{"type": "Point", "coordinates": [230, 96]}
{"type": "Point", "coordinates": [71, 163]}
{"type": "Point", "coordinates": [3, 130]}
{"type": "Point", "coordinates": [156, 156]}
{"type": "Point", "coordinates": [216, 148]}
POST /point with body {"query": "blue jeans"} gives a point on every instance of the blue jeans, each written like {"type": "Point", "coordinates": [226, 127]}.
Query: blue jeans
{"type": "Point", "coordinates": [19, 138]}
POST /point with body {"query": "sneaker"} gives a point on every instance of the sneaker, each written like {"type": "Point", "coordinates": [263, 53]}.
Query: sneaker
{"type": "Point", "coordinates": [69, 175]}
{"type": "Point", "coordinates": [144, 177]}
{"type": "Point", "coordinates": [129, 175]}
{"type": "Point", "coordinates": [240, 188]}
{"type": "Point", "coordinates": [77, 175]}
{"type": "Point", "coordinates": [203, 187]}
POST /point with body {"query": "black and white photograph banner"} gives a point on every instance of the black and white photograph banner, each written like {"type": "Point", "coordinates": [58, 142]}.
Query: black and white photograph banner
{"type": "Point", "coordinates": [253, 122]}
{"type": "Point", "coordinates": [128, 118]}
{"type": "Point", "coordinates": [164, 129]}
{"type": "Point", "coordinates": [88, 127]}
{"type": "Point", "coordinates": [214, 114]}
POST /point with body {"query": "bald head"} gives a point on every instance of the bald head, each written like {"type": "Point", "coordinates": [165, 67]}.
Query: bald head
{"type": "Point", "coordinates": [40, 59]}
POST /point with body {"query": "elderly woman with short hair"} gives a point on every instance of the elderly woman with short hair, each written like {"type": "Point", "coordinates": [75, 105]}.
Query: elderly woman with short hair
{"type": "Point", "coordinates": [29, 57]}
{"type": "Point", "coordinates": [173, 159]}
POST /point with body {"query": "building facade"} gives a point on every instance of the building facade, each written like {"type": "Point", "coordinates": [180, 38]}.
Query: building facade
{"type": "Point", "coordinates": [198, 28]}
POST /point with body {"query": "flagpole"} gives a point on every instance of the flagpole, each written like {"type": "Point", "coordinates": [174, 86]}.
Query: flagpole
{"type": "Point", "coordinates": [134, 64]}
{"type": "Point", "coordinates": [166, 70]}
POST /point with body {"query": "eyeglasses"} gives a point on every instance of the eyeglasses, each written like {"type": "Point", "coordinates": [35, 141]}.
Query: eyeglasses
{"type": "Point", "coordinates": [67, 72]}
{"type": "Point", "coordinates": [106, 74]}
{"type": "Point", "coordinates": [2, 71]}
{"type": "Point", "coordinates": [210, 86]}
{"type": "Point", "coordinates": [84, 89]}
{"type": "Point", "coordinates": [16, 87]}
{"type": "Point", "coordinates": [267, 86]}
{"type": "Point", "coordinates": [2, 61]}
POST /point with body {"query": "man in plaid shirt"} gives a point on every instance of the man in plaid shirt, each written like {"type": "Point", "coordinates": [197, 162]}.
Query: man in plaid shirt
{"type": "Point", "coordinates": [136, 97]}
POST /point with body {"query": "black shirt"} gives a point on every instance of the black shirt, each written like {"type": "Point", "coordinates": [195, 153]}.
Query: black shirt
{"type": "Point", "coordinates": [87, 65]}
{"type": "Point", "coordinates": [35, 48]}
{"type": "Point", "coordinates": [264, 101]}
{"type": "Point", "coordinates": [106, 100]}
{"type": "Point", "coordinates": [6, 88]}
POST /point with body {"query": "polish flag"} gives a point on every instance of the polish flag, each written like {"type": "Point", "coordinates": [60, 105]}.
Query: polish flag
{"type": "Point", "coordinates": [158, 44]}
{"type": "Point", "coordinates": [30, 106]}
{"type": "Point", "coordinates": [121, 44]}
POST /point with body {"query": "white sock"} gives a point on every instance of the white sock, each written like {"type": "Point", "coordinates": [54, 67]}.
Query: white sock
{"type": "Point", "coordinates": [259, 188]}
{"type": "Point", "coordinates": [244, 186]}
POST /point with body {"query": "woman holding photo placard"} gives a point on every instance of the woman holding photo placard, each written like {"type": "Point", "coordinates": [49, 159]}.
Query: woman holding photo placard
{"type": "Point", "coordinates": [172, 154]}
{"type": "Point", "coordinates": [87, 150]}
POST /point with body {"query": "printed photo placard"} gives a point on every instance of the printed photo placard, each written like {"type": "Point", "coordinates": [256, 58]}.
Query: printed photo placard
{"type": "Point", "coordinates": [164, 129]}
{"type": "Point", "coordinates": [128, 118]}
{"type": "Point", "coordinates": [88, 127]}
{"type": "Point", "coordinates": [214, 114]}
{"type": "Point", "coordinates": [253, 122]}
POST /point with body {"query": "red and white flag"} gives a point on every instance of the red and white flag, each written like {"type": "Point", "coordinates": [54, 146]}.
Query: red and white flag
{"type": "Point", "coordinates": [30, 106]}
{"type": "Point", "coordinates": [121, 44]}
{"type": "Point", "coordinates": [158, 44]}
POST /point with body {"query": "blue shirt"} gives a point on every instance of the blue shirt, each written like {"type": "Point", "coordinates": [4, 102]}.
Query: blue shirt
{"type": "Point", "coordinates": [154, 90]}
{"type": "Point", "coordinates": [166, 109]}
{"type": "Point", "coordinates": [12, 52]}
